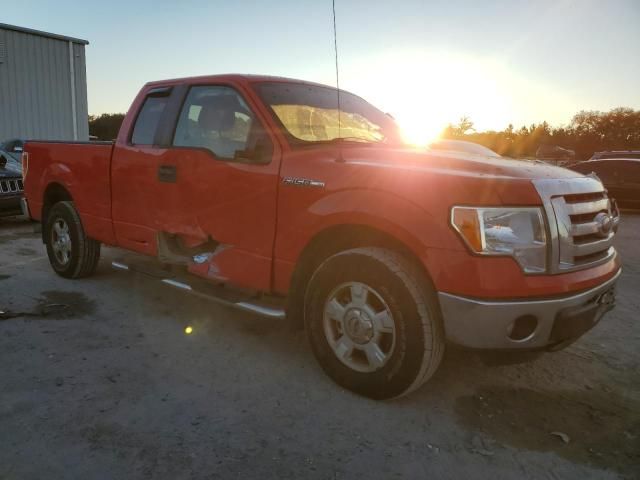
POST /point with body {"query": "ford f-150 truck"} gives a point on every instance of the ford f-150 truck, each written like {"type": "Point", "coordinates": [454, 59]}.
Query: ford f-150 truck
{"type": "Point", "coordinates": [275, 196]}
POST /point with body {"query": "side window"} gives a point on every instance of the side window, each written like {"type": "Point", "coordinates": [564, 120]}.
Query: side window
{"type": "Point", "coordinates": [218, 119]}
{"type": "Point", "coordinates": [146, 124]}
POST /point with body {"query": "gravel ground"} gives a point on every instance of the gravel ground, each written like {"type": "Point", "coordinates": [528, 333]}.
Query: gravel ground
{"type": "Point", "coordinates": [99, 381]}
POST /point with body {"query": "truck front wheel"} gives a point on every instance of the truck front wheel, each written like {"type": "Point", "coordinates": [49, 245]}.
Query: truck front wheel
{"type": "Point", "coordinates": [71, 253]}
{"type": "Point", "coordinates": [373, 322]}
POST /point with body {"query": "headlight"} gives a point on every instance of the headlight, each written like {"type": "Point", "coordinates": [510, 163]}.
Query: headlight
{"type": "Point", "coordinates": [515, 231]}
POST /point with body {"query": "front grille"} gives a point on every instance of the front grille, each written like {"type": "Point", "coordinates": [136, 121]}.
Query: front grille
{"type": "Point", "coordinates": [588, 243]}
{"type": "Point", "coordinates": [13, 185]}
{"type": "Point", "coordinates": [582, 241]}
{"type": "Point", "coordinates": [579, 206]}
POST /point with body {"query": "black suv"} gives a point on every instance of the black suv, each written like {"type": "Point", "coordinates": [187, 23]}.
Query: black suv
{"type": "Point", "coordinates": [10, 178]}
{"type": "Point", "coordinates": [616, 154]}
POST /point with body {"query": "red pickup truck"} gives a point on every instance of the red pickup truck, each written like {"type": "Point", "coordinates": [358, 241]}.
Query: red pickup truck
{"type": "Point", "coordinates": [274, 196]}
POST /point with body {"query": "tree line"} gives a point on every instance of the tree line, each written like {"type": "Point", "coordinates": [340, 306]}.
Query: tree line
{"type": "Point", "coordinates": [105, 126]}
{"type": "Point", "coordinates": [588, 132]}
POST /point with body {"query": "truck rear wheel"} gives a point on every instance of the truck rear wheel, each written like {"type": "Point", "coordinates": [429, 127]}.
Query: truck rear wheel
{"type": "Point", "coordinates": [373, 322]}
{"type": "Point", "coordinates": [71, 253]}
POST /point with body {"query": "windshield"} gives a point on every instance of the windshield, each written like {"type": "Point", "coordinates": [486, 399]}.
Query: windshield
{"type": "Point", "coordinates": [309, 114]}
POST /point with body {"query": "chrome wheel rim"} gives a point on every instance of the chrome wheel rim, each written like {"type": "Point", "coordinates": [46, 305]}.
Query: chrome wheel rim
{"type": "Point", "coordinates": [61, 241]}
{"type": "Point", "coordinates": [359, 327]}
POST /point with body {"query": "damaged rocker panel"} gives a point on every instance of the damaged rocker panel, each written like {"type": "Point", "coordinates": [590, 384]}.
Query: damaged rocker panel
{"type": "Point", "coordinates": [204, 289]}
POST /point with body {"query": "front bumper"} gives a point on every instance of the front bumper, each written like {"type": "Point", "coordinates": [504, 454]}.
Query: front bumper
{"type": "Point", "coordinates": [10, 205]}
{"type": "Point", "coordinates": [24, 206]}
{"type": "Point", "coordinates": [526, 324]}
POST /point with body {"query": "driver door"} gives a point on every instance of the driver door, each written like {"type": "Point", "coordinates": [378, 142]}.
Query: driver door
{"type": "Point", "coordinates": [217, 186]}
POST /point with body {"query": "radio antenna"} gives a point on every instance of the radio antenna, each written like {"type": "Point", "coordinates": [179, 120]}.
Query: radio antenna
{"type": "Point", "coordinates": [335, 46]}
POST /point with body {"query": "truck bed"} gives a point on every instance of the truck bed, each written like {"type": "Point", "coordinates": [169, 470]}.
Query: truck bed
{"type": "Point", "coordinates": [72, 164]}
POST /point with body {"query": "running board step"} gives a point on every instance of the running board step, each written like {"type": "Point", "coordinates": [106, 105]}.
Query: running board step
{"type": "Point", "coordinates": [208, 291]}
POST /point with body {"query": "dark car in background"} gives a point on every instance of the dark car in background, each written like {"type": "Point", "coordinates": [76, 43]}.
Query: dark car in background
{"type": "Point", "coordinates": [555, 154]}
{"type": "Point", "coordinates": [11, 187]}
{"type": "Point", "coordinates": [616, 154]}
{"type": "Point", "coordinates": [620, 176]}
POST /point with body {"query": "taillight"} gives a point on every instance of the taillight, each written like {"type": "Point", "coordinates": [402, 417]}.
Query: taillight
{"type": "Point", "coordinates": [25, 165]}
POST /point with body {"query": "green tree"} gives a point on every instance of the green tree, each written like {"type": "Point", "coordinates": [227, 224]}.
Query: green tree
{"type": "Point", "coordinates": [105, 126]}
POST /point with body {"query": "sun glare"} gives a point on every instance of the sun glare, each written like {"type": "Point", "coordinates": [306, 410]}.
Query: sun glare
{"type": "Point", "coordinates": [431, 90]}
{"type": "Point", "coordinates": [418, 130]}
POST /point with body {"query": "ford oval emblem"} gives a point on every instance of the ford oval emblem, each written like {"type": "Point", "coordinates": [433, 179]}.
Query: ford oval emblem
{"type": "Point", "coordinates": [604, 222]}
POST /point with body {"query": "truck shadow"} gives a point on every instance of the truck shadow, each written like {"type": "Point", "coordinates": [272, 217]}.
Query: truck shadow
{"type": "Point", "coordinates": [587, 427]}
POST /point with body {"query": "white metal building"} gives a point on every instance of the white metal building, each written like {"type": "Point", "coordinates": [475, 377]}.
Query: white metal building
{"type": "Point", "coordinates": [43, 85]}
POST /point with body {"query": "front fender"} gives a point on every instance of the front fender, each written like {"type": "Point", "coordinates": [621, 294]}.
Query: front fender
{"type": "Point", "coordinates": [421, 231]}
{"type": "Point", "coordinates": [410, 223]}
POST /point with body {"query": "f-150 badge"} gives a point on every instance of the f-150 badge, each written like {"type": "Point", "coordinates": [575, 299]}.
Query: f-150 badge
{"type": "Point", "coordinates": [302, 182]}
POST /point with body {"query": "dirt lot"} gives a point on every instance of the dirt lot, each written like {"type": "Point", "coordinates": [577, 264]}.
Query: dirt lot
{"type": "Point", "coordinates": [98, 380]}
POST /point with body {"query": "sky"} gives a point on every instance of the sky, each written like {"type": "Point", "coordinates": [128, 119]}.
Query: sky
{"type": "Point", "coordinates": [427, 63]}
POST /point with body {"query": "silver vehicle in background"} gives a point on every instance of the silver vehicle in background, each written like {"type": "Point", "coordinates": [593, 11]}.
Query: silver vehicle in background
{"type": "Point", "coordinates": [462, 146]}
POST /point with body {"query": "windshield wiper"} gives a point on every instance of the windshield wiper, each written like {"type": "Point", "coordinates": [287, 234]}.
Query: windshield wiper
{"type": "Point", "coordinates": [338, 140]}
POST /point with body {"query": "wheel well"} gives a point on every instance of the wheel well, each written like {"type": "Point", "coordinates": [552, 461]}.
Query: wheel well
{"type": "Point", "coordinates": [329, 242]}
{"type": "Point", "coordinates": [53, 194]}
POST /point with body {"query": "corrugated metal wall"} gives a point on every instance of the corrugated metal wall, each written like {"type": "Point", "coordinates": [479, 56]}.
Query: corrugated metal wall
{"type": "Point", "coordinates": [35, 88]}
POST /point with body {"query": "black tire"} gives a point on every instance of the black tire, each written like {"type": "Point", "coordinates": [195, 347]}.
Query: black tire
{"type": "Point", "coordinates": [410, 298]}
{"type": "Point", "coordinates": [84, 251]}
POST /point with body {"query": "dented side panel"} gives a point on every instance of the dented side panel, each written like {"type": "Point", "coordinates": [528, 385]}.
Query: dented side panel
{"type": "Point", "coordinates": [236, 266]}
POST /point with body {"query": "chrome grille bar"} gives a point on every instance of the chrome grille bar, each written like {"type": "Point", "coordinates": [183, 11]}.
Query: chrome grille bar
{"type": "Point", "coordinates": [11, 186]}
{"type": "Point", "coordinates": [587, 207]}
{"type": "Point", "coordinates": [579, 229]}
{"type": "Point", "coordinates": [581, 250]}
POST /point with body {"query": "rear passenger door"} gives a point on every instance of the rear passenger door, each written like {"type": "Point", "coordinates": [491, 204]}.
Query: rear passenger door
{"type": "Point", "coordinates": [612, 177]}
{"type": "Point", "coordinates": [134, 174]}
{"type": "Point", "coordinates": [628, 185]}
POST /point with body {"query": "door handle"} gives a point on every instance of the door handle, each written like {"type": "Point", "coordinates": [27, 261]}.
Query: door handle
{"type": "Point", "coordinates": [167, 173]}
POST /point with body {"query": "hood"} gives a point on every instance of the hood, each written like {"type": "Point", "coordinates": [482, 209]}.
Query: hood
{"type": "Point", "coordinates": [460, 163]}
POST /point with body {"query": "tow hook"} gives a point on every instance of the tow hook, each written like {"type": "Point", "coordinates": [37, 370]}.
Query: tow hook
{"type": "Point", "coordinates": [607, 298]}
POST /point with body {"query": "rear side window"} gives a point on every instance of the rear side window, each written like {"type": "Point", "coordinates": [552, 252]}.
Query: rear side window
{"type": "Point", "coordinates": [148, 119]}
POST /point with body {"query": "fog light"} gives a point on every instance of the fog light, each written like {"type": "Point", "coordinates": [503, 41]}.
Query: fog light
{"type": "Point", "coordinates": [522, 328]}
